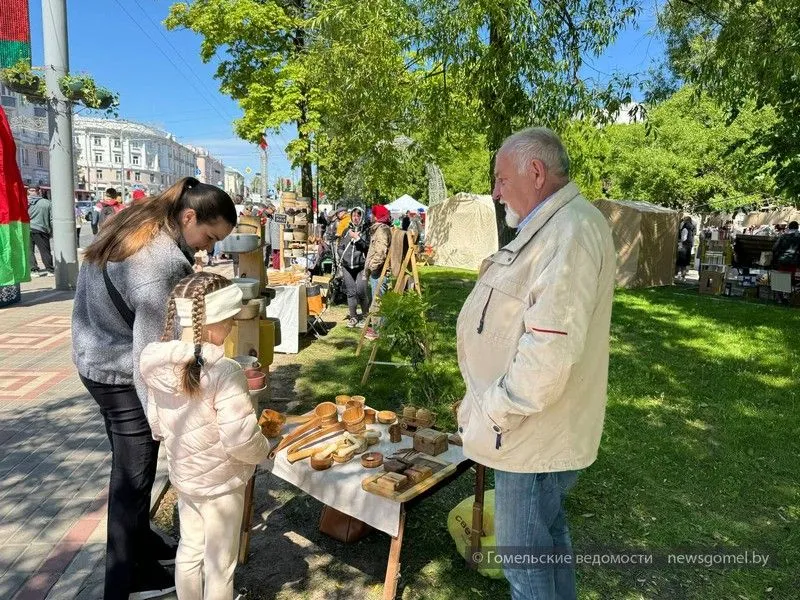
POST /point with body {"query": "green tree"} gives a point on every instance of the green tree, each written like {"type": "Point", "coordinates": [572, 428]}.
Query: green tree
{"type": "Point", "coordinates": [264, 66]}
{"type": "Point", "coordinates": [741, 52]}
{"type": "Point", "coordinates": [465, 168]}
{"type": "Point", "coordinates": [520, 60]}
{"type": "Point", "coordinates": [692, 158]}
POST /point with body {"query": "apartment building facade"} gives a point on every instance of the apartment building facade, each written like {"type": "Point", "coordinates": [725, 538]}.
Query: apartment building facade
{"type": "Point", "coordinates": [234, 182]}
{"type": "Point", "coordinates": [106, 151]}
{"type": "Point", "coordinates": [209, 169]}
{"type": "Point", "coordinates": [29, 128]}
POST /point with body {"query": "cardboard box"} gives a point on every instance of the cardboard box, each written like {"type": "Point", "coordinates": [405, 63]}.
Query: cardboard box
{"type": "Point", "coordinates": [712, 282]}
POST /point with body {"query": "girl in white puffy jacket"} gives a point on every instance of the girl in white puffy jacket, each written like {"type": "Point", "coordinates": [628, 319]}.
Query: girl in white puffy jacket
{"type": "Point", "coordinates": [199, 405]}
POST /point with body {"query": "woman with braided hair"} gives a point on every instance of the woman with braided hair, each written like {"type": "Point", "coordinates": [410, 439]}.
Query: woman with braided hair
{"type": "Point", "coordinates": [124, 285]}
{"type": "Point", "coordinates": [199, 405]}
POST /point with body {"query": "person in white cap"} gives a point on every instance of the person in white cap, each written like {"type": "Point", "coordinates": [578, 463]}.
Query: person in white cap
{"type": "Point", "coordinates": [199, 405]}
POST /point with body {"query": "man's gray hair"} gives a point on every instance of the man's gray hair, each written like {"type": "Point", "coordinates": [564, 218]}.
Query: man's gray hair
{"type": "Point", "coordinates": [538, 143]}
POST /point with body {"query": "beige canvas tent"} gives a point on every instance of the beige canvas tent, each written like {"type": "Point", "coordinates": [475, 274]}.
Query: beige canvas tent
{"type": "Point", "coordinates": [462, 230]}
{"type": "Point", "coordinates": [646, 239]}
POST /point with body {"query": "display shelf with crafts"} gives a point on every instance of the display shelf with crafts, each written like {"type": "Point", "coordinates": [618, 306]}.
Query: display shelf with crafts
{"type": "Point", "coordinates": [253, 336]}
{"type": "Point", "coordinates": [716, 256]}
{"type": "Point", "coordinates": [295, 232]}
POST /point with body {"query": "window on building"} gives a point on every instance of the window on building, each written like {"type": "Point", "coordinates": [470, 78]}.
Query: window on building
{"type": "Point", "coordinates": [24, 156]}
{"type": "Point", "coordinates": [9, 101]}
{"type": "Point", "coordinates": [117, 158]}
{"type": "Point", "coordinates": [137, 176]}
{"type": "Point", "coordinates": [152, 178]}
{"type": "Point", "coordinates": [135, 159]}
{"type": "Point", "coordinates": [128, 175]}
{"type": "Point", "coordinates": [98, 174]}
{"type": "Point", "coordinates": [40, 159]}
{"type": "Point", "coordinates": [98, 141]}
{"type": "Point", "coordinates": [116, 143]}
{"type": "Point", "coordinates": [98, 157]}
{"type": "Point", "coordinates": [119, 175]}
{"type": "Point", "coordinates": [39, 111]}
{"type": "Point", "coordinates": [136, 145]}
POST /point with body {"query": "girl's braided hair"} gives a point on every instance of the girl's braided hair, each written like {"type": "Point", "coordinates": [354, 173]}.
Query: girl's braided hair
{"type": "Point", "coordinates": [194, 287]}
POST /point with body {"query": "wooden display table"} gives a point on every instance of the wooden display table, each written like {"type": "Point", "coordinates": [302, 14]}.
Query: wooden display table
{"type": "Point", "coordinates": [341, 488]}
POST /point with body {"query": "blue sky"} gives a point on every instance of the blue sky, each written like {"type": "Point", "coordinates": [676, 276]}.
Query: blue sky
{"type": "Point", "coordinates": [163, 82]}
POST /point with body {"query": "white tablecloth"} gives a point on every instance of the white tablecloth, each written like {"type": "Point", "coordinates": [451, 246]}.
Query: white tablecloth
{"type": "Point", "coordinates": [289, 306]}
{"type": "Point", "coordinates": [340, 486]}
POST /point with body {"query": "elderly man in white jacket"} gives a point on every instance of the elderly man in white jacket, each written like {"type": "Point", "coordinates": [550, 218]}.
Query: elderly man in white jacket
{"type": "Point", "coordinates": [533, 351]}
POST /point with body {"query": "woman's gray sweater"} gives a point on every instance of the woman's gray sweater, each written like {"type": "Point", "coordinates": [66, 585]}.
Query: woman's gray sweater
{"type": "Point", "coordinates": [104, 348]}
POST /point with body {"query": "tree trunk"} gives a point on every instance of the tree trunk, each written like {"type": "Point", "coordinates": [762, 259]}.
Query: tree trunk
{"type": "Point", "coordinates": [496, 99]}
{"type": "Point", "coordinates": [306, 174]}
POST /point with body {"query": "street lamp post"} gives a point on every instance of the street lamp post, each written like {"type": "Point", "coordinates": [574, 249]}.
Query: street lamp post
{"type": "Point", "coordinates": [62, 174]}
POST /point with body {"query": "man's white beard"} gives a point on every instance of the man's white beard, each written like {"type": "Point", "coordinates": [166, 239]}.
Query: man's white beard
{"type": "Point", "coordinates": [512, 218]}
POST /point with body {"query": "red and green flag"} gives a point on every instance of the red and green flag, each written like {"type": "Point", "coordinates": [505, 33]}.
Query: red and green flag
{"type": "Point", "coordinates": [15, 33]}
{"type": "Point", "coordinates": [15, 244]}
{"type": "Point", "coordinates": [15, 230]}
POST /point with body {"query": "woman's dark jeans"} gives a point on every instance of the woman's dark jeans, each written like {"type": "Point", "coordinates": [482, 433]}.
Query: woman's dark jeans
{"type": "Point", "coordinates": [129, 549]}
{"type": "Point", "coordinates": [357, 294]}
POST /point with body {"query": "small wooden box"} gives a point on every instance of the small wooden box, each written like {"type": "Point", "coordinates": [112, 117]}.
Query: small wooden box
{"type": "Point", "coordinates": [392, 481]}
{"type": "Point", "coordinates": [430, 441]}
{"type": "Point", "coordinates": [418, 473]}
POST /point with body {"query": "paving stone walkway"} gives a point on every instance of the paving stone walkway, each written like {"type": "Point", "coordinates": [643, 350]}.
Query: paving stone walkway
{"type": "Point", "coordinates": [55, 462]}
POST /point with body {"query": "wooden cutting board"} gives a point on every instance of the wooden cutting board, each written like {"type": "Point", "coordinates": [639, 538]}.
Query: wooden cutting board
{"type": "Point", "coordinates": [441, 470]}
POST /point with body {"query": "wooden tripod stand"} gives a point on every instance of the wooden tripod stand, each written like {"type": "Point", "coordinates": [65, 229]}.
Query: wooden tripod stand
{"type": "Point", "coordinates": [408, 270]}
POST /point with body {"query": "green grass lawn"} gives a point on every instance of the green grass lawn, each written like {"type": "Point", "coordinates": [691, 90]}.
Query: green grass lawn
{"type": "Point", "coordinates": [700, 448]}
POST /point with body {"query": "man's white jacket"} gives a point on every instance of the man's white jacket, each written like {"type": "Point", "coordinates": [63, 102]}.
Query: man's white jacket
{"type": "Point", "coordinates": [533, 342]}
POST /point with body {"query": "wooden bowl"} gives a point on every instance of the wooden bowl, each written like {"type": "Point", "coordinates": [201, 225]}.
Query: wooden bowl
{"type": "Point", "coordinates": [386, 417]}
{"type": "Point", "coordinates": [342, 399]}
{"type": "Point", "coordinates": [353, 419]}
{"type": "Point", "coordinates": [359, 427]}
{"type": "Point", "coordinates": [327, 413]}
{"type": "Point", "coordinates": [369, 416]}
{"type": "Point", "coordinates": [271, 422]}
{"type": "Point", "coordinates": [409, 412]}
{"type": "Point", "coordinates": [343, 457]}
{"type": "Point", "coordinates": [355, 403]}
{"type": "Point", "coordinates": [371, 460]}
{"type": "Point", "coordinates": [353, 415]}
{"type": "Point", "coordinates": [249, 311]}
{"type": "Point", "coordinates": [360, 399]}
{"type": "Point", "coordinates": [321, 463]}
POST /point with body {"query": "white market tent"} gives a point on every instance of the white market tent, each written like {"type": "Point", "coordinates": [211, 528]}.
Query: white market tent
{"type": "Point", "coordinates": [462, 230]}
{"type": "Point", "coordinates": [405, 203]}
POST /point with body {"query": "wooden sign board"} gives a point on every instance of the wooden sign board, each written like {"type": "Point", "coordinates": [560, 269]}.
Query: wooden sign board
{"type": "Point", "coordinates": [280, 218]}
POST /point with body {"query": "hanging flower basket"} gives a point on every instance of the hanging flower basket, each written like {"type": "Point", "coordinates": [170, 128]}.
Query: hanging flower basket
{"type": "Point", "coordinates": [22, 79]}
{"type": "Point", "coordinates": [84, 90]}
